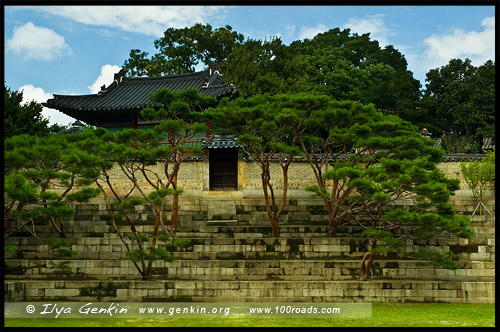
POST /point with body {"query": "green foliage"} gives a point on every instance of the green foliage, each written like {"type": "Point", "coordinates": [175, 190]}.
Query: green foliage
{"type": "Point", "coordinates": [138, 237]}
{"type": "Point", "coordinates": [84, 195]}
{"type": "Point", "coordinates": [460, 101]}
{"type": "Point", "coordinates": [23, 117]}
{"type": "Point", "coordinates": [336, 63]}
{"type": "Point", "coordinates": [181, 242]}
{"type": "Point", "coordinates": [158, 196]}
{"type": "Point", "coordinates": [267, 128]}
{"type": "Point", "coordinates": [478, 174]}
{"type": "Point", "coordinates": [180, 50]}
{"type": "Point", "coordinates": [129, 204]}
{"type": "Point", "coordinates": [386, 242]}
{"type": "Point", "coordinates": [10, 249]}
{"type": "Point", "coordinates": [59, 248]}
{"type": "Point", "coordinates": [437, 259]}
{"type": "Point", "coordinates": [43, 175]}
{"type": "Point", "coordinates": [135, 151]}
{"type": "Point", "coordinates": [151, 253]}
{"type": "Point", "coordinates": [370, 161]}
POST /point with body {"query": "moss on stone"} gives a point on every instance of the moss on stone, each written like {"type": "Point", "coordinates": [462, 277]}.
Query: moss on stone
{"type": "Point", "coordinates": [100, 291]}
{"type": "Point", "coordinates": [95, 234]}
{"type": "Point", "coordinates": [317, 209]}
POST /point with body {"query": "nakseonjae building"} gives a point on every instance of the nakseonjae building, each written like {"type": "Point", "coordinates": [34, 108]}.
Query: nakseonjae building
{"type": "Point", "coordinates": [222, 209]}
{"type": "Point", "coordinates": [223, 167]}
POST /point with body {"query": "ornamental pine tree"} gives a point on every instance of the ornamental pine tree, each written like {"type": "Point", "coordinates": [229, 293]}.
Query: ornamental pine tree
{"type": "Point", "coordinates": [182, 119]}
{"type": "Point", "coordinates": [267, 128]}
{"type": "Point", "coordinates": [44, 177]}
{"type": "Point", "coordinates": [133, 152]}
{"type": "Point", "coordinates": [366, 165]}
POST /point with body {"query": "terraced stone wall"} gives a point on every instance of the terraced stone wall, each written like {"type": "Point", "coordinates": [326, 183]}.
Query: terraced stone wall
{"type": "Point", "coordinates": [233, 258]}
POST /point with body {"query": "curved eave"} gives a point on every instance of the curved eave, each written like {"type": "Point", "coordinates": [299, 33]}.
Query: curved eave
{"type": "Point", "coordinates": [95, 117]}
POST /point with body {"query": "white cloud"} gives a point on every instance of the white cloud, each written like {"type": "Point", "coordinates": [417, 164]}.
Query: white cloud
{"type": "Point", "coordinates": [310, 32]}
{"type": "Point", "coordinates": [106, 77]}
{"type": "Point", "coordinates": [39, 95]}
{"type": "Point", "coordinates": [479, 46]}
{"type": "Point", "coordinates": [289, 29]}
{"type": "Point", "coordinates": [148, 20]}
{"type": "Point", "coordinates": [438, 50]}
{"type": "Point", "coordinates": [37, 42]}
{"type": "Point", "coordinates": [373, 24]}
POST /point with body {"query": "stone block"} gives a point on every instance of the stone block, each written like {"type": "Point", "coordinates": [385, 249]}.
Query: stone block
{"type": "Point", "coordinates": [480, 256]}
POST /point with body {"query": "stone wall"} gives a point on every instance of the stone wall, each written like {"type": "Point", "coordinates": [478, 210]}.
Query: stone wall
{"type": "Point", "coordinates": [258, 291]}
{"type": "Point", "coordinates": [233, 258]}
{"type": "Point", "coordinates": [193, 176]}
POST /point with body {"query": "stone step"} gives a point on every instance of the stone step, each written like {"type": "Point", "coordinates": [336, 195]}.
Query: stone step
{"type": "Point", "coordinates": [258, 291]}
{"type": "Point", "coordinates": [242, 270]}
{"type": "Point", "coordinates": [240, 266]}
{"type": "Point", "coordinates": [254, 255]}
{"type": "Point", "coordinates": [228, 226]}
{"type": "Point", "coordinates": [241, 232]}
{"type": "Point", "coordinates": [202, 240]}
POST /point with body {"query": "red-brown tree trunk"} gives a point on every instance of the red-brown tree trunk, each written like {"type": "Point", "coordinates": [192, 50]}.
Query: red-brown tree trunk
{"type": "Point", "coordinates": [175, 206]}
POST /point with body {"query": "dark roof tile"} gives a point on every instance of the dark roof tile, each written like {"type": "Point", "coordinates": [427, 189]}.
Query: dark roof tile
{"type": "Point", "coordinates": [132, 94]}
{"type": "Point", "coordinates": [221, 142]}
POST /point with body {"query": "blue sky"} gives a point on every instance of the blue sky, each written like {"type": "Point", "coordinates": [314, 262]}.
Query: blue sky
{"type": "Point", "coordinates": [76, 49]}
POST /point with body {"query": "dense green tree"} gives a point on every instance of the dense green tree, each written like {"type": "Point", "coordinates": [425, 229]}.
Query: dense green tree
{"type": "Point", "coordinates": [253, 67]}
{"type": "Point", "coordinates": [336, 63]}
{"type": "Point", "coordinates": [458, 100]}
{"type": "Point", "coordinates": [24, 118]}
{"type": "Point", "coordinates": [461, 101]}
{"type": "Point", "coordinates": [43, 177]}
{"type": "Point", "coordinates": [181, 50]}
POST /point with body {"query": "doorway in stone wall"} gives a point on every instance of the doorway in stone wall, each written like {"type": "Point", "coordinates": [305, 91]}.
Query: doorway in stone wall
{"type": "Point", "coordinates": [223, 169]}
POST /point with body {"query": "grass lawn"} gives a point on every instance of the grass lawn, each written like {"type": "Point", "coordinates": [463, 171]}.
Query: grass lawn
{"type": "Point", "coordinates": [383, 315]}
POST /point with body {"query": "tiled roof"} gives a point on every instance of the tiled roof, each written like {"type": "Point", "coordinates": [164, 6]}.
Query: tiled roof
{"type": "Point", "coordinates": [463, 157]}
{"type": "Point", "coordinates": [488, 143]}
{"type": "Point", "coordinates": [76, 127]}
{"type": "Point", "coordinates": [221, 142]}
{"type": "Point", "coordinates": [129, 95]}
{"type": "Point", "coordinates": [446, 157]}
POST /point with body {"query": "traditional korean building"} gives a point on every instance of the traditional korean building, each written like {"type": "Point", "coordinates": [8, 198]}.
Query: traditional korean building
{"type": "Point", "coordinates": [118, 106]}
{"type": "Point", "coordinates": [223, 183]}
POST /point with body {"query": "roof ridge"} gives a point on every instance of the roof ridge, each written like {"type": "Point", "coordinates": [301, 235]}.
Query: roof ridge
{"type": "Point", "coordinates": [174, 76]}
{"type": "Point", "coordinates": [218, 86]}
{"type": "Point", "coordinates": [87, 95]}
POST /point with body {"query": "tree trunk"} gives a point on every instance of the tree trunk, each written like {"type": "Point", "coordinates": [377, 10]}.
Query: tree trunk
{"type": "Point", "coordinates": [59, 230]}
{"type": "Point", "coordinates": [275, 228]}
{"type": "Point", "coordinates": [149, 270]}
{"type": "Point", "coordinates": [175, 206]}
{"type": "Point", "coordinates": [332, 230]}
{"type": "Point", "coordinates": [8, 222]}
{"type": "Point", "coordinates": [367, 269]}
{"type": "Point", "coordinates": [271, 212]}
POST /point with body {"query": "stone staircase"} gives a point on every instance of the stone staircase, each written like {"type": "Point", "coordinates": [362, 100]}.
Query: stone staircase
{"type": "Point", "coordinates": [229, 261]}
